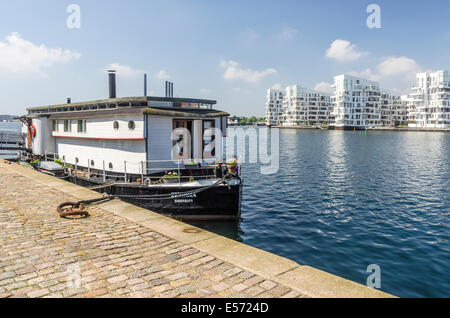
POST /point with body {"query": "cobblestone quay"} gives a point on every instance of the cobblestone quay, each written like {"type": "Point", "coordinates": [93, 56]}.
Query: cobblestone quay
{"type": "Point", "coordinates": [126, 251]}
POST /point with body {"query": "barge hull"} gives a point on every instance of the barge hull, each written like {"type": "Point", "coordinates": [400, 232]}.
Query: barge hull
{"type": "Point", "coordinates": [220, 203]}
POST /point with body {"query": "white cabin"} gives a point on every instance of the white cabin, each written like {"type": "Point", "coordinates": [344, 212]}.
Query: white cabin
{"type": "Point", "coordinates": [129, 135]}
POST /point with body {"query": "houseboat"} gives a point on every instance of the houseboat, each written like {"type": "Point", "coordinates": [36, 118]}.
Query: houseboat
{"type": "Point", "coordinates": [161, 153]}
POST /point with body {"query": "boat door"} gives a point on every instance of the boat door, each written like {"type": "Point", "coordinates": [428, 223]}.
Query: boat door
{"type": "Point", "coordinates": [182, 139]}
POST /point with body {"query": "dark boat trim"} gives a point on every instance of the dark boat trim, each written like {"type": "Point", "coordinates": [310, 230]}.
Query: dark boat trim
{"type": "Point", "coordinates": [220, 203]}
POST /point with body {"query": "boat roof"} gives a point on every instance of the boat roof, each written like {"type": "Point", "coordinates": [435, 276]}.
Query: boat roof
{"type": "Point", "coordinates": [156, 111]}
{"type": "Point", "coordinates": [113, 103]}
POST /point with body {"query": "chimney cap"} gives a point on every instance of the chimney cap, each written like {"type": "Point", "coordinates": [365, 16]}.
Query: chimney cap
{"type": "Point", "coordinates": [111, 71]}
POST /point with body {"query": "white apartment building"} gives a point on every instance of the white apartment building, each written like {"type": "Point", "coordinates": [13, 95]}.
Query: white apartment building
{"type": "Point", "coordinates": [394, 110]}
{"type": "Point", "coordinates": [430, 101]}
{"type": "Point", "coordinates": [274, 107]}
{"type": "Point", "coordinates": [302, 106]}
{"type": "Point", "coordinates": [356, 103]}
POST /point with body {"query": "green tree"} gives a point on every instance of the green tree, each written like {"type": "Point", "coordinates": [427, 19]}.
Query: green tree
{"type": "Point", "coordinates": [253, 119]}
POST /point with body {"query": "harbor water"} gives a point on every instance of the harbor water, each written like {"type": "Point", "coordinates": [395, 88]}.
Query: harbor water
{"type": "Point", "coordinates": [343, 200]}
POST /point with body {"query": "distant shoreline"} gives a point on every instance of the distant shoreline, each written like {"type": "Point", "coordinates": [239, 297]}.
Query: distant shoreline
{"type": "Point", "coordinates": [370, 129]}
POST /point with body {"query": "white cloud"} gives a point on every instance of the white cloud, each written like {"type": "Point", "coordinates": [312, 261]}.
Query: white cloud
{"type": "Point", "coordinates": [124, 70]}
{"type": "Point", "coordinates": [235, 72]}
{"type": "Point", "coordinates": [367, 74]}
{"type": "Point", "coordinates": [277, 86]}
{"type": "Point", "coordinates": [162, 75]}
{"type": "Point", "coordinates": [324, 87]}
{"type": "Point", "coordinates": [20, 56]}
{"type": "Point", "coordinates": [288, 33]}
{"type": "Point", "coordinates": [398, 65]}
{"type": "Point", "coordinates": [344, 51]}
{"type": "Point", "coordinates": [401, 69]}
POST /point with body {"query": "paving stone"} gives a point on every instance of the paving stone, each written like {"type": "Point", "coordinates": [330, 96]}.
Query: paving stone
{"type": "Point", "coordinates": [117, 279]}
{"type": "Point", "coordinates": [268, 284]}
{"type": "Point", "coordinates": [186, 289]}
{"type": "Point", "coordinates": [220, 287]}
{"type": "Point", "coordinates": [240, 287]}
{"type": "Point", "coordinates": [38, 293]}
{"type": "Point", "coordinates": [232, 272]}
{"type": "Point", "coordinates": [291, 294]}
{"type": "Point", "coordinates": [160, 281]}
{"type": "Point", "coordinates": [7, 275]}
{"type": "Point", "coordinates": [177, 276]}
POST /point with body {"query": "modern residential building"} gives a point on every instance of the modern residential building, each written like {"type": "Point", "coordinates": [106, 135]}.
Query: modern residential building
{"type": "Point", "coordinates": [302, 106]}
{"type": "Point", "coordinates": [274, 107]}
{"type": "Point", "coordinates": [359, 103]}
{"type": "Point", "coordinates": [430, 101]}
{"type": "Point", "coordinates": [394, 110]}
{"type": "Point", "coordinates": [356, 103]}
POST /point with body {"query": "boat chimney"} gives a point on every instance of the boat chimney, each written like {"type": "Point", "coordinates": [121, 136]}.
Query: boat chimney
{"type": "Point", "coordinates": [69, 100]}
{"type": "Point", "coordinates": [145, 85]}
{"type": "Point", "coordinates": [112, 83]}
{"type": "Point", "coordinates": [171, 89]}
{"type": "Point", "coordinates": [167, 89]}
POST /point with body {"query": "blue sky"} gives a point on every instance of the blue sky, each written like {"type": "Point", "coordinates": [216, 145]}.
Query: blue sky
{"type": "Point", "coordinates": [231, 51]}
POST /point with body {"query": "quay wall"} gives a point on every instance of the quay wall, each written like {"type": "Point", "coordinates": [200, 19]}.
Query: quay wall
{"type": "Point", "coordinates": [271, 270]}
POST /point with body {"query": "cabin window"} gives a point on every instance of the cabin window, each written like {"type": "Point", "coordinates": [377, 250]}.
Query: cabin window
{"type": "Point", "coordinates": [110, 166]}
{"type": "Point", "coordinates": [131, 125]}
{"type": "Point", "coordinates": [81, 126]}
{"type": "Point", "coordinates": [116, 125]}
{"type": "Point", "coordinates": [92, 163]}
{"type": "Point", "coordinates": [55, 125]}
{"type": "Point", "coordinates": [77, 160]}
{"type": "Point", "coordinates": [67, 125]}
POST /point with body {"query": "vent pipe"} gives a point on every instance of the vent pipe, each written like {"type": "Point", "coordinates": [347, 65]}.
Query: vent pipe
{"type": "Point", "coordinates": [145, 85]}
{"type": "Point", "coordinates": [112, 83]}
{"type": "Point", "coordinates": [169, 89]}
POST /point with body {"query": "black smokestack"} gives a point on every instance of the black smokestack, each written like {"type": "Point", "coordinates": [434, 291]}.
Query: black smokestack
{"type": "Point", "coordinates": [112, 83]}
{"type": "Point", "coordinates": [69, 100]}
{"type": "Point", "coordinates": [145, 85]}
{"type": "Point", "coordinates": [171, 89]}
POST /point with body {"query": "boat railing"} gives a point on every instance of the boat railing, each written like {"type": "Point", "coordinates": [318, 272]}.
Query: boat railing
{"type": "Point", "coordinates": [149, 170]}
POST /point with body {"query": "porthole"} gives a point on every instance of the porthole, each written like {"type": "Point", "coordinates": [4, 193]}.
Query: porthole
{"type": "Point", "coordinates": [110, 166]}
{"type": "Point", "coordinates": [116, 125]}
{"type": "Point", "coordinates": [131, 125]}
{"type": "Point", "coordinates": [92, 163]}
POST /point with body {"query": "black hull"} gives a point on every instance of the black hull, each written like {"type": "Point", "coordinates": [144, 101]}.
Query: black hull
{"type": "Point", "coordinates": [348, 128]}
{"type": "Point", "coordinates": [218, 203]}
